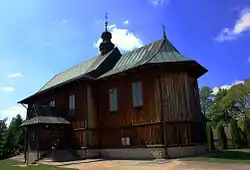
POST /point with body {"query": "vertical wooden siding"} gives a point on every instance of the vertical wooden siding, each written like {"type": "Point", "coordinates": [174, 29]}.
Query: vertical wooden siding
{"type": "Point", "coordinates": [114, 126]}
{"type": "Point", "coordinates": [181, 108]}
{"type": "Point", "coordinates": [61, 97]}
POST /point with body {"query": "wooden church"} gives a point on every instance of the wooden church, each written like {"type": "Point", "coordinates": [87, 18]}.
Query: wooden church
{"type": "Point", "coordinates": [140, 105]}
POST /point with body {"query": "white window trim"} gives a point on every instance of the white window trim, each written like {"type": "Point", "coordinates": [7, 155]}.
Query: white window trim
{"type": "Point", "coordinates": [137, 94]}
{"type": "Point", "coordinates": [125, 141]}
{"type": "Point", "coordinates": [113, 100]}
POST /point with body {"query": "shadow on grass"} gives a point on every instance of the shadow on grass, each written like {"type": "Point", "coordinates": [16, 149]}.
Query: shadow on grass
{"type": "Point", "coordinates": [232, 154]}
{"type": "Point", "coordinates": [226, 156]}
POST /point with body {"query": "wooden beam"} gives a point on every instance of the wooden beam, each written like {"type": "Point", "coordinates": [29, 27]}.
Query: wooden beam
{"type": "Point", "coordinates": [141, 124]}
{"type": "Point", "coordinates": [164, 133]}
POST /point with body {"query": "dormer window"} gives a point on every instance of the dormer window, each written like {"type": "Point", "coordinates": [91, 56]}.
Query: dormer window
{"type": "Point", "coordinates": [52, 103]}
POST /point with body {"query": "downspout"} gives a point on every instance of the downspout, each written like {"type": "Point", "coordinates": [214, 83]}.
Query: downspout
{"type": "Point", "coordinates": [26, 134]}
{"type": "Point", "coordinates": [163, 118]}
{"type": "Point", "coordinates": [86, 121]}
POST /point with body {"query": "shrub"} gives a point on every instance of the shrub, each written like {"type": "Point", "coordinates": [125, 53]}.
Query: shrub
{"type": "Point", "coordinates": [210, 138]}
{"type": "Point", "coordinates": [235, 134]}
{"type": "Point", "coordinates": [247, 130]}
{"type": "Point", "coordinates": [222, 138]}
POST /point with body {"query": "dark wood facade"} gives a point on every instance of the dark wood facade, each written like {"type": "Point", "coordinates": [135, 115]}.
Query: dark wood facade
{"type": "Point", "coordinates": [169, 114]}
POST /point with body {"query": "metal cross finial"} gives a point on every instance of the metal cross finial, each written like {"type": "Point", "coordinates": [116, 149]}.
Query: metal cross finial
{"type": "Point", "coordinates": [106, 22]}
{"type": "Point", "coordinates": [164, 33]}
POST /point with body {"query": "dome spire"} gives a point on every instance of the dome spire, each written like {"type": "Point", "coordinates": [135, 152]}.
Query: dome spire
{"type": "Point", "coordinates": [164, 31]}
{"type": "Point", "coordinates": [106, 45]}
{"type": "Point", "coordinates": [106, 22]}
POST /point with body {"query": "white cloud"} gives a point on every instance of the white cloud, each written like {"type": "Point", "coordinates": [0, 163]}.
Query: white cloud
{"type": "Point", "coordinates": [64, 21]}
{"type": "Point", "coordinates": [125, 22]}
{"type": "Point", "coordinates": [60, 22]}
{"type": "Point", "coordinates": [123, 39]}
{"type": "Point", "coordinates": [216, 89]}
{"type": "Point", "coordinates": [241, 25]}
{"type": "Point", "coordinates": [159, 2]}
{"type": "Point", "coordinates": [14, 75]}
{"type": "Point", "coordinates": [12, 112]}
{"type": "Point", "coordinates": [7, 89]}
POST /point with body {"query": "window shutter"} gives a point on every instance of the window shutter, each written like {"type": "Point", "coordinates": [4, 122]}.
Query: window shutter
{"type": "Point", "coordinates": [134, 94]}
{"type": "Point", "coordinates": [113, 101]}
{"type": "Point", "coordinates": [137, 94]}
{"type": "Point", "coordinates": [73, 102]}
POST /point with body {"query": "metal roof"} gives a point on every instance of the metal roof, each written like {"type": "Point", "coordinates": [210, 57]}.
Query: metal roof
{"type": "Point", "coordinates": [135, 58]}
{"type": "Point", "coordinates": [161, 51]}
{"type": "Point", "coordinates": [45, 120]}
{"type": "Point", "coordinates": [76, 71]}
{"type": "Point", "coordinates": [45, 114]}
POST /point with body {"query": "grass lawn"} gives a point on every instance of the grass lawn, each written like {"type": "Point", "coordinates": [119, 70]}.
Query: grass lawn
{"type": "Point", "coordinates": [7, 164]}
{"type": "Point", "coordinates": [227, 156]}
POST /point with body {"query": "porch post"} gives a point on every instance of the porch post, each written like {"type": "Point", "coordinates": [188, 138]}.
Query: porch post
{"type": "Point", "coordinates": [37, 140]}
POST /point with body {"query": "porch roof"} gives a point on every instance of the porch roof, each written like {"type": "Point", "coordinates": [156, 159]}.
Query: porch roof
{"type": "Point", "coordinates": [45, 120]}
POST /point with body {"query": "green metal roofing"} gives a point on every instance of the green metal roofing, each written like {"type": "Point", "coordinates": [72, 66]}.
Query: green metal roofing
{"type": "Point", "coordinates": [172, 56]}
{"type": "Point", "coordinates": [135, 58]}
{"type": "Point", "coordinates": [161, 51]}
{"type": "Point", "coordinates": [75, 72]}
{"type": "Point", "coordinates": [45, 120]}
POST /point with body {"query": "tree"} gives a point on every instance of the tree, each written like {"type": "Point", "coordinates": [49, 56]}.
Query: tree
{"type": "Point", "coordinates": [235, 134]}
{"type": "Point", "coordinates": [222, 138]}
{"type": "Point", "coordinates": [217, 112]}
{"type": "Point", "coordinates": [246, 130]}
{"type": "Point", "coordinates": [210, 138]}
{"type": "Point", "coordinates": [14, 135]}
{"type": "Point", "coordinates": [206, 99]}
{"type": "Point", "coordinates": [3, 129]}
{"type": "Point", "coordinates": [238, 100]}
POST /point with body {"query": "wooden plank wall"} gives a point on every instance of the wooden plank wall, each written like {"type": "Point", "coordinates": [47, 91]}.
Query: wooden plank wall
{"type": "Point", "coordinates": [181, 108]}
{"type": "Point", "coordinates": [61, 97]}
{"type": "Point", "coordinates": [178, 92]}
{"type": "Point", "coordinates": [128, 121]}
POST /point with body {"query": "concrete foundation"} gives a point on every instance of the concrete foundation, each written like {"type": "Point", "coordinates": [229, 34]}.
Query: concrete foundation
{"type": "Point", "coordinates": [174, 152]}
{"type": "Point", "coordinates": [133, 153]}
{"type": "Point", "coordinates": [128, 153]}
{"type": "Point", "coordinates": [89, 153]}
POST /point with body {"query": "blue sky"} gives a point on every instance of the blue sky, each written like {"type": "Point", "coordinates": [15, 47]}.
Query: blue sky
{"type": "Point", "coordinates": [39, 38]}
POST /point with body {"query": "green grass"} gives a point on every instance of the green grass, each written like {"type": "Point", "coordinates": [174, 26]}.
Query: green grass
{"type": "Point", "coordinates": [7, 164]}
{"type": "Point", "coordinates": [227, 156]}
